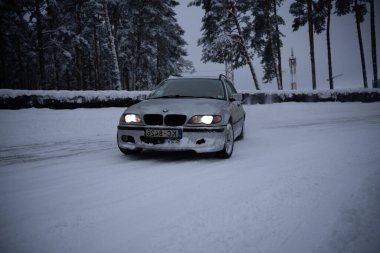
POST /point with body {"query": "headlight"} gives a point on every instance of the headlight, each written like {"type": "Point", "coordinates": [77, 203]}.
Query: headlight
{"type": "Point", "coordinates": [130, 118]}
{"type": "Point", "coordinates": [205, 119]}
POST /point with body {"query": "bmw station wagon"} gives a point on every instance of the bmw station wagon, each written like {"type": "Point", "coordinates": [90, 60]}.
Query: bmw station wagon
{"type": "Point", "coordinates": [203, 114]}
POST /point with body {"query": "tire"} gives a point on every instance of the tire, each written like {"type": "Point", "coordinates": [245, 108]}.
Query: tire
{"type": "Point", "coordinates": [130, 151]}
{"type": "Point", "coordinates": [241, 135]}
{"type": "Point", "coordinates": [228, 148]}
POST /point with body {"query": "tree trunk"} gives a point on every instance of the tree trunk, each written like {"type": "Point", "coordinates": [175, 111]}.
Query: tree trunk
{"type": "Point", "coordinates": [68, 87]}
{"type": "Point", "coordinates": [78, 69]}
{"type": "Point", "coordinates": [126, 72]}
{"type": "Point", "coordinates": [278, 48]}
{"type": "Point", "coordinates": [79, 63]}
{"type": "Point", "coordinates": [331, 80]}
{"type": "Point", "coordinates": [56, 70]}
{"type": "Point", "coordinates": [83, 71]}
{"type": "Point", "coordinates": [19, 82]}
{"type": "Point", "coordinates": [245, 50]}
{"type": "Point", "coordinates": [360, 44]}
{"type": "Point", "coordinates": [271, 41]}
{"type": "Point", "coordinates": [229, 70]}
{"type": "Point", "coordinates": [40, 49]}
{"type": "Point", "coordinates": [158, 65]}
{"type": "Point", "coordinates": [136, 68]}
{"type": "Point", "coordinates": [2, 61]}
{"type": "Point", "coordinates": [311, 41]}
{"type": "Point", "coordinates": [96, 58]}
{"type": "Point", "coordinates": [55, 79]}
{"type": "Point", "coordinates": [89, 86]}
{"type": "Point", "coordinates": [111, 40]}
{"type": "Point", "coordinates": [28, 81]}
{"type": "Point", "coordinates": [80, 54]}
{"type": "Point", "coordinates": [373, 42]}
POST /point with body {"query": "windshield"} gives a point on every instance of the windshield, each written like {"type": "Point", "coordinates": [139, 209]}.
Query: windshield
{"type": "Point", "coordinates": [190, 87]}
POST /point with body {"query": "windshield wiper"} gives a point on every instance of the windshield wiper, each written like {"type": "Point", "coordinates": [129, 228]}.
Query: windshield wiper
{"type": "Point", "coordinates": [212, 98]}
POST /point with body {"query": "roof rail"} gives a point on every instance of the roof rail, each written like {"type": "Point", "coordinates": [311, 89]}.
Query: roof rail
{"type": "Point", "coordinates": [222, 76]}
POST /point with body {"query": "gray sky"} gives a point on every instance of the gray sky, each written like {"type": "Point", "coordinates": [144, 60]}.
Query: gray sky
{"type": "Point", "coordinates": [344, 44]}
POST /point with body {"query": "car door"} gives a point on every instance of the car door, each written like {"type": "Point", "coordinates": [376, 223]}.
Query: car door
{"type": "Point", "coordinates": [236, 108]}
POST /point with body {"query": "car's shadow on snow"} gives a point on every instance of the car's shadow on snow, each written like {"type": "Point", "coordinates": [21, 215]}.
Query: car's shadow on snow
{"type": "Point", "coordinates": [169, 156]}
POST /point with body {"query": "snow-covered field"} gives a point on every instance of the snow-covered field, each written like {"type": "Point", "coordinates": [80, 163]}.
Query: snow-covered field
{"type": "Point", "coordinates": [306, 178]}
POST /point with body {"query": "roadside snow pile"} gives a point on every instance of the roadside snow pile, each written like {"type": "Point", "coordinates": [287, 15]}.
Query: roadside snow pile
{"type": "Point", "coordinates": [63, 99]}
{"type": "Point", "coordinates": [344, 95]}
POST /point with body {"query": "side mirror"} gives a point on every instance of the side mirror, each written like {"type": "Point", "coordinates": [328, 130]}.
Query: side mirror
{"type": "Point", "coordinates": [237, 97]}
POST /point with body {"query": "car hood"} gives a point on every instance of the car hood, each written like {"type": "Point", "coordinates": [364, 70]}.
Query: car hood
{"type": "Point", "coordinates": [186, 106]}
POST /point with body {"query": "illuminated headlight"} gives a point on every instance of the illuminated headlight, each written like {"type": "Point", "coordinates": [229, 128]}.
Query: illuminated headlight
{"type": "Point", "coordinates": [205, 119]}
{"type": "Point", "coordinates": [130, 118]}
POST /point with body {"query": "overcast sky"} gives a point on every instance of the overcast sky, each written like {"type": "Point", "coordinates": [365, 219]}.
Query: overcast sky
{"type": "Point", "coordinates": [344, 44]}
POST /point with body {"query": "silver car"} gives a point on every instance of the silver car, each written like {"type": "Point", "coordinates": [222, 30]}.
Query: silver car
{"type": "Point", "coordinates": [185, 113]}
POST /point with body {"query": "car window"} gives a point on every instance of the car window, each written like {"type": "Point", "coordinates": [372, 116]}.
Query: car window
{"type": "Point", "coordinates": [190, 87]}
{"type": "Point", "coordinates": [230, 88]}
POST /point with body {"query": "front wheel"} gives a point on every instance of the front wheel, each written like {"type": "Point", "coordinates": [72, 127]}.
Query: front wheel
{"type": "Point", "coordinates": [241, 135]}
{"type": "Point", "coordinates": [228, 148]}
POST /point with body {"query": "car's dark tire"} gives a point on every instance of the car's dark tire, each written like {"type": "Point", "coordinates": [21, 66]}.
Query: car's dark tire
{"type": "Point", "coordinates": [228, 148]}
{"type": "Point", "coordinates": [241, 135]}
{"type": "Point", "coordinates": [130, 151]}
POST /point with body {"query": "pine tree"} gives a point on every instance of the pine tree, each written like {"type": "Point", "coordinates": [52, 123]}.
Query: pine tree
{"type": "Point", "coordinates": [373, 44]}
{"type": "Point", "coordinates": [40, 43]}
{"type": "Point", "coordinates": [158, 45]}
{"type": "Point", "coordinates": [277, 37]}
{"type": "Point", "coordinates": [322, 21]}
{"type": "Point", "coordinates": [19, 67]}
{"type": "Point", "coordinates": [89, 44]}
{"type": "Point", "coordinates": [116, 83]}
{"type": "Point", "coordinates": [358, 8]}
{"type": "Point", "coordinates": [225, 36]}
{"type": "Point", "coordinates": [267, 39]}
{"type": "Point", "coordinates": [302, 10]}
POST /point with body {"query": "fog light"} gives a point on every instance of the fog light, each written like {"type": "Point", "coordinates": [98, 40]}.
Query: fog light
{"type": "Point", "coordinates": [200, 141]}
{"type": "Point", "coordinates": [127, 138]}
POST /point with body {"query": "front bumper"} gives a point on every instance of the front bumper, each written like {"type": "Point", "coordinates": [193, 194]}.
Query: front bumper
{"type": "Point", "coordinates": [199, 139]}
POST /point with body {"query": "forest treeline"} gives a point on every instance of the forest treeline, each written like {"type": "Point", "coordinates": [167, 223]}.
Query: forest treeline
{"type": "Point", "coordinates": [237, 33]}
{"type": "Point", "coordinates": [133, 45]}
{"type": "Point", "coordinates": [89, 44]}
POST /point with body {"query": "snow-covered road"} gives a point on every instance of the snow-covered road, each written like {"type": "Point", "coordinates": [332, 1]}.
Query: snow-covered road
{"type": "Point", "coordinates": [306, 178]}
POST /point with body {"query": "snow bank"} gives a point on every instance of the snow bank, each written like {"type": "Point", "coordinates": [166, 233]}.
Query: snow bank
{"type": "Point", "coordinates": [63, 99]}
{"type": "Point", "coordinates": [344, 95]}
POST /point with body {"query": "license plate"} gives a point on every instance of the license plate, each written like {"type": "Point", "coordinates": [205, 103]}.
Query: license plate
{"type": "Point", "coordinates": [164, 133]}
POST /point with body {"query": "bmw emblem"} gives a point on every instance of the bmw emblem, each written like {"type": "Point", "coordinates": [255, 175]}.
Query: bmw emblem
{"type": "Point", "coordinates": [165, 110]}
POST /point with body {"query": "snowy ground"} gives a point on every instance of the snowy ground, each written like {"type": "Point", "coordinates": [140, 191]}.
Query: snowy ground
{"type": "Point", "coordinates": [305, 179]}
